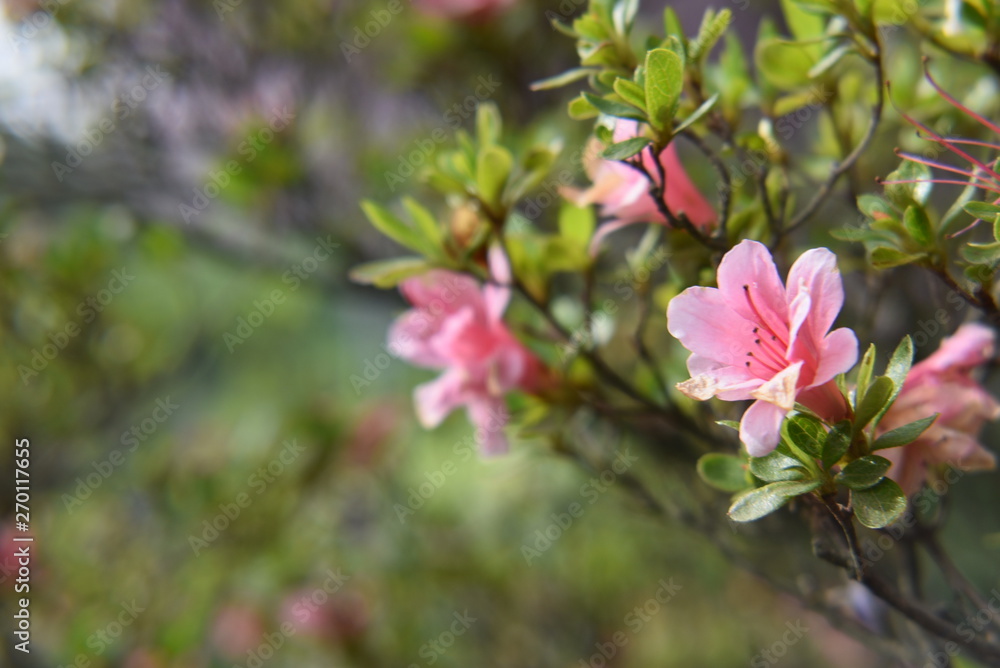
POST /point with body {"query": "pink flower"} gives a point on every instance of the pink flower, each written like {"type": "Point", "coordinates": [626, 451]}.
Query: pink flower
{"type": "Point", "coordinates": [943, 384]}
{"type": "Point", "coordinates": [458, 326]}
{"type": "Point", "coordinates": [750, 338]}
{"type": "Point", "coordinates": [463, 9]}
{"type": "Point", "coordinates": [623, 192]}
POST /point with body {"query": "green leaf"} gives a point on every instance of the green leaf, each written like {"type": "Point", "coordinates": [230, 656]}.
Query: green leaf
{"type": "Point", "coordinates": [493, 168]}
{"type": "Point", "coordinates": [612, 108]}
{"type": "Point", "coordinates": [917, 223]}
{"type": "Point", "coordinates": [732, 424]}
{"type": "Point", "coordinates": [631, 92]}
{"type": "Point", "coordinates": [784, 64]}
{"type": "Point", "coordinates": [697, 114]}
{"type": "Point", "coordinates": [724, 472]}
{"type": "Point", "coordinates": [879, 506]}
{"type": "Point", "coordinates": [671, 23]}
{"type": "Point", "coordinates": [864, 472]}
{"type": "Point", "coordinates": [426, 224]}
{"type": "Point", "coordinates": [874, 206]}
{"type": "Point", "coordinates": [564, 79]}
{"type": "Point", "coordinates": [988, 254]}
{"type": "Point", "coordinates": [577, 223]}
{"type": "Point", "coordinates": [982, 210]}
{"type": "Point", "coordinates": [905, 194]}
{"type": "Point", "coordinates": [623, 15]}
{"type": "Point", "coordinates": [807, 433]}
{"type": "Point", "coordinates": [777, 466]}
{"type": "Point", "coordinates": [885, 257]}
{"type": "Point", "coordinates": [830, 60]}
{"type": "Point", "coordinates": [804, 24]}
{"type": "Point", "coordinates": [394, 228]}
{"type": "Point", "coordinates": [861, 234]}
{"type": "Point", "coordinates": [876, 398]}
{"type": "Point", "coordinates": [897, 369]}
{"type": "Point", "coordinates": [865, 372]}
{"type": "Point", "coordinates": [664, 83]}
{"type": "Point", "coordinates": [626, 149]}
{"type": "Point", "coordinates": [580, 109]}
{"type": "Point", "coordinates": [388, 273]}
{"type": "Point", "coordinates": [488, 124]}
{"type": "Point", "coordinates": [838, 442]}
{"type": "Point", "coordinates": [757, 503]}
{"type": "Point", "coordinates": [713, 27]}
{"type": "Point", "coordinates": [903, 435]}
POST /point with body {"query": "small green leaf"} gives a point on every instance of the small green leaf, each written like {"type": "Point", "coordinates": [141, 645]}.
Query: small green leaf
{"type": "Point", "coordinates": [876, 398]}
{"type": "Point", "coordinates": [982, 210]}
{"type": "Point", "coordinates": [762, 501]}
{"type": "Point", "coordinates": [777, 466]}
{"type": "Point", "coordinates": [988, 254]}
{"type": "Point", "coordinates": [864, 472]}
{"type": "Point", "coordinates": [623, 15]}
{"type": "Point", "coordinates": [885, 257]}
{"type": "Point", "coordinates": [865, 371]}
{"type": "Point", "coordinates": [612, 108]}
{"type": "Point", "coordinates": [388, 273]}
{"type": "Point", "coordinates": [724, 472]}
{"type": "Point", "coordinates": [631, 92]}
{"type": "Point", "coordinates": [838, 442]}
{"type": "Point", "coordinates": [879, 506]}
{"type": "Point", "coordinates": [580, 109]}
{"type": "Point", "coordinates": [917, 223]}
{"type": "Point", "coordinates": [626, 149]}
{"type": "Point", "coordinates": [784, 64]}
{"type": "Point", "coordinates": [831, 59]}
{"type": "Point", "coordinates": [732, 424]}
{"type": "Point", "coordinates": [426, 224]}
{"type": "Point", "coordinates": [807, 433]}
{"type": "Point", "coordinates": [394, 228]}
{"type": "Point", "coordinates": [488, 123]}
{"type": "Point", "coordinates": [564, 79]}
{"type": "Point", "coordinates": [697, 114]}
{"type": "Point", "coordinates": [493, 168]}
{"type": "Point", "coordinates": [897, 369]}
{"type": "Point", "coordinates": [664, 83]}
{"type": "Point", "coordinates": [918, 186]}
{"type": "Point", "coordinates": [903, 435]}
{"type": "Point", "coordinates": [874, 206]}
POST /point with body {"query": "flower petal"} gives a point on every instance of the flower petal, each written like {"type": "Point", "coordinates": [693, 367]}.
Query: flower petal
{"type": "Point", "coordinates": [971, 345]}
{"type": "Point", "coordinates": [490, 417]}
{"type": "Point", "coordinates": [838, 354]}
{"type": "Point", "coordinates": [781, 389]}
{"type": "Point", "coordinates": [729, 383]}
{"type": "Point", "coordinates": [750, 285]}
{"type": "Point", "coordinates": [704, 323]}
{"type": "Point", "coordinates": [434, 400]}
{"type": "Point", "coordinates": [760, 428]}
{"type": "Point", "coordinates": [815, 274]}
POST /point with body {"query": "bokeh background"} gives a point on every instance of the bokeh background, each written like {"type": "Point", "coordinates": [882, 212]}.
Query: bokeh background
{"type": "Point", "coordinates": [226, 470]}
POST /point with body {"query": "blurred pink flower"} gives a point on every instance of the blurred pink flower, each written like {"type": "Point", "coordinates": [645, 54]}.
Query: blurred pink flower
{"type": "Point", "coordinates": [623, 192]}
{"type": "Point", "coordinates": [463, 9]}
{"type": "Point", "coordinates": [237, 628]}
{"type": "Point", "coordinates": [458, 326]}
{"type": "Point", "coordinates": [750, 338]}
{"type": "Point", "coordinates": [943, 384]}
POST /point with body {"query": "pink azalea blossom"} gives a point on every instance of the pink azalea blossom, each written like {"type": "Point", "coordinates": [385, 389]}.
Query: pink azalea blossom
{"type": "Point", "coordinates": [751, 338]}
{"type": "Point", "coordinates": [623, 192]}
{"type": "Point", "coordinates": [458, 326]}
{"type": "Point", "coordinates": [473, 10]}
{"type": "Point", "coordinates": [943, 384]}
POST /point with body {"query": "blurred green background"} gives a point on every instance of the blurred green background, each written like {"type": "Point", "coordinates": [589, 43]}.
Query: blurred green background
{"type": "Point", "coordinates": [225, 466]}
